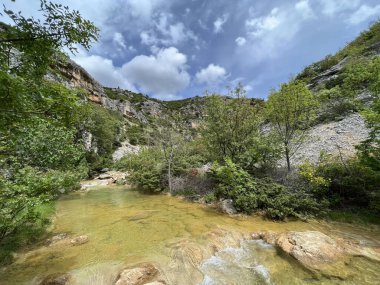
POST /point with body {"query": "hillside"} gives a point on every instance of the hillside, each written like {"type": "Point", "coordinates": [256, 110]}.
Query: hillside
{"type": "Point", "coordinates": [329, 79]}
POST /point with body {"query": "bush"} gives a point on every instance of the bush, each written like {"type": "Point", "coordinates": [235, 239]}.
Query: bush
{"type": "Point", "coordinates": [45, 145]}
{"type": "Point", "coordinates": [252, 195]}
{"type": "Point", "coordinates": [146, 169]}
{"type": "Point", "coordinates": [23, 194]}
{"type": "Point", "coordinates": [345, 183]}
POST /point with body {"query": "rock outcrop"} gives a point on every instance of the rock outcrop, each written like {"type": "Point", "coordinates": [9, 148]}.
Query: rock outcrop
{"type": "Point", "coordinates": [140, 274]}
{"type": "Point", "coordinates": [333, 138]}
{"type": "Point", "coordinates": [317, 251]}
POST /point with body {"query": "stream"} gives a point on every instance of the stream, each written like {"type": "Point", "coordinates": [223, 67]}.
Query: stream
{"type": "Point", "coordinates": [126, 227]}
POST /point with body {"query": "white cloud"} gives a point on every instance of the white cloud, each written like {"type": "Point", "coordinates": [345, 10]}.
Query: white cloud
{"type": "Point", "coordinates": [363, 13]}
{"type": "Point", "coordinates": [259, 26]}
{"type": "Point", "coordinates": [332, 7]}
{"type": "Point", "coordinates": [240, 41]}
{"type": "Point", "coordinates": [143, 9]}
{"type": "Point", "coordinates": [118, 40]}
{"type": "Point", "coordinates": [266, 36]}
{"type": "Point", "coordinates": [219, 22]}
{"type": "Point", "coordinates": [103, 70]}
{"type": "Point", "coordinates": [166, 33]}
{"type": "Point", "coordinates": [210, 75]}
{"type": "Point", "coordinates": [304, 8]}
{"type": "Point", "coordinates": [163, 74]}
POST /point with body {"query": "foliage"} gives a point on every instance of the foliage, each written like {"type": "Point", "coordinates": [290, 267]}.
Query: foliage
{"type": "Point", "coordinates": [369, 150]}
{"type": "Point", "coordinates": [316, 183]}
{"type": "Point", "coordinates": [106, 126]}
{"type": "Point", "coordinates": [232, 128]}
{"type": "Point", "coordinates": [345, 183]}
{"type": "Point", "coordinates": [146, 169]}
{"type": "Point", "coordinates": [252, 195]}
{"type": "Point", "coordinates": [45, 145]}
{"type": "Point", "coordinates": [291, 111]}
{"type": "Point", "coordinates": [335, 102]}
{"type": "Point", "coordinates": [31, 40]}
{"type": "Point", "coordinates": [27, 189]}
{"type": "Point", "coordinates": [40, 153]}
{"type": "Point", "coordinates": [136, 135]}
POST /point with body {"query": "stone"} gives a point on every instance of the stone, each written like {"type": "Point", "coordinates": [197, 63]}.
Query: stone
{"type": "Point", "coordinates": [56, 279]}
{"type": "Point", "coordinates": [79, 240]}
{"type": "Point", "coordinates": [310, 248]}
{"type": "Point", "coordinates": [156, 283]}
{"type": "Point", "coordinates": [141, 274]}
{"type": "Point", "coordinates": [125, 149]}
{"type": "Point", "coordinates": [104, 176]}
{"type": "Point", "coordinates": [57, 238]}
{"type": "Point", "coordinates": [227, 206]}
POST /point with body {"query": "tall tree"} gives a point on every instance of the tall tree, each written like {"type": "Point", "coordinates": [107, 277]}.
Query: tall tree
{"type": "Point", "coordinates": [231, 124]}
{"type": "Point", "coordinates": [291, 110]}
{"type": "Point", "coordinates": [171, 142]}
{"type": "Point", "coordinates": [233, 128]}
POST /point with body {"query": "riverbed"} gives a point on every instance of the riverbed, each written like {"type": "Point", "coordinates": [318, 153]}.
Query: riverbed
{"type": "Point", "coordinates": [125, 227]}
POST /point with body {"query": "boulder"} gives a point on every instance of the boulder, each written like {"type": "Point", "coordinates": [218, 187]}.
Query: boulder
{"type": "Point", "coordinates": [79, 240]}
{"type": "Point", "coordinates": [319, 252]}
{"type": "Point", "coordinates": [227, 206]}
{"type": "Point", "coordinates": [140, 274]}
{"type": "Point", "coordinates": [310, 248]}
{"type": "Point", "coordinates": [56, 279]}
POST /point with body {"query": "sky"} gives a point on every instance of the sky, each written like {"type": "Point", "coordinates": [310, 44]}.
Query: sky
{"type": "Point", "coordinates": [174, 49]}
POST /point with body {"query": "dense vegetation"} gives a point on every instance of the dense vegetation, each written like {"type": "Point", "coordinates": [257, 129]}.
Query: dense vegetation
{"type": "Point", "coordinates": [246, 139]}
{"type": "Point", "coordinates": [41, 155]}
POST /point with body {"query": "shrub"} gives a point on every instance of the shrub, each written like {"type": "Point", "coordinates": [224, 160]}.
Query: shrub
{"type": "Point", "coordinates": [345, 183]}
{"type": "Point", "coordinates": [23, 194]}
{"type": "Point", "coordinates": [146, 169]}
{"type": "Point", "coordinates": [252, 195]}
{"type": "Point", "coordinates": [45, 145]}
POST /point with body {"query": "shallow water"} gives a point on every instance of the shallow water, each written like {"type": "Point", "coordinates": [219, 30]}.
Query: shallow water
{"type": "Point", "coordinates": [125, 227]}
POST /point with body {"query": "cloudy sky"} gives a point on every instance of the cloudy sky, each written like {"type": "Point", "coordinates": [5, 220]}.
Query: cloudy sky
{"type": "Point", "coordinates": [173, 49]}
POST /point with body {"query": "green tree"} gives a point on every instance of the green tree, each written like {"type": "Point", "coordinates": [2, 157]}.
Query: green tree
{"type": "Point", "coordinates": [290, 111]}
{"type": "Point", "coordinates": [38, 139]}
{"type": "Point", "coordinates": [232, 128]}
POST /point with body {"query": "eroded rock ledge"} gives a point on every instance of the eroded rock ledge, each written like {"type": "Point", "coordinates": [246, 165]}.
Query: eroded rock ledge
{"type": "Point", "coordinates": [317, 251]}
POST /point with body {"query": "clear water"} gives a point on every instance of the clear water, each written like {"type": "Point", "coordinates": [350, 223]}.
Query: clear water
{"type": "Point", "coordinates": [190, 243]}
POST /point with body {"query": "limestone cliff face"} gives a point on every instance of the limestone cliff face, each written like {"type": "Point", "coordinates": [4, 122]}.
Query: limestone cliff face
{"type": "Point", "coordinates": [76, 76]}
{"type": "Point", "coordinates": [337, 138]}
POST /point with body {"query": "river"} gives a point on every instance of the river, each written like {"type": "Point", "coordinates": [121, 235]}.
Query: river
{"type": "Point", "coordinates": [125, 227]}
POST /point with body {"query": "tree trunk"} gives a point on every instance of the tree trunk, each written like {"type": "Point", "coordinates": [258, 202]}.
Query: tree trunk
{"type": "Point", "coordinates": [287, 156]}
{"type": "Point", "coordinates": [170, 177]}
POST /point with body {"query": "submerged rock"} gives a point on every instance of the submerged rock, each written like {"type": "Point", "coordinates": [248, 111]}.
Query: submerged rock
{"type": "Point", "coordinates": [56, 279]}
{"type": "Point", "coordinates": [141, 274]}
{"type": "Point", "coordinates": [57, 238]}
{"type": "Point", "coordinates": [79, 240]}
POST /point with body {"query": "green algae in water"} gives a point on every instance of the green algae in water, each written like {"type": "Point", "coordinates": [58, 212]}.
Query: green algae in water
{"type": "Point", "coordinates": [126, 227]}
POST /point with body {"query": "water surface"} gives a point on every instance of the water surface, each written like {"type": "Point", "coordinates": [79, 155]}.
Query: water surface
{"type": "Point", "coordinates": [126, 227]}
